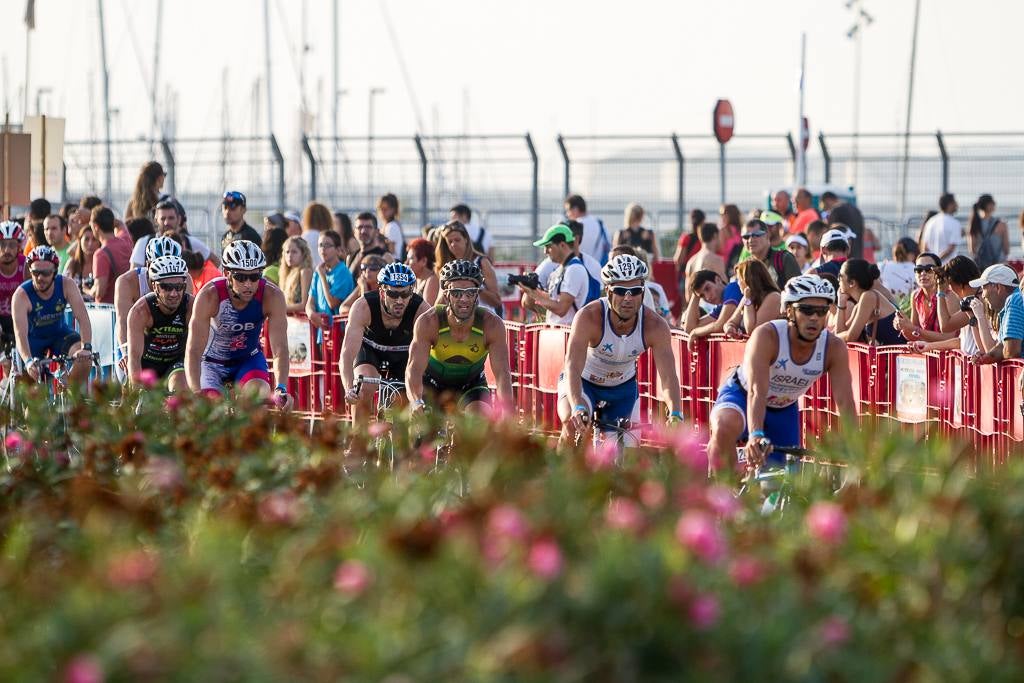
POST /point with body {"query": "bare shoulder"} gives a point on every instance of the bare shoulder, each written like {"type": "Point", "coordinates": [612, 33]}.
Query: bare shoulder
{"type": "Point", "coordinates": [654, 325]}
{"type": "Point", "coordinates": [139, 310]}
{"type": "Point", "coordinates": [836, 349]}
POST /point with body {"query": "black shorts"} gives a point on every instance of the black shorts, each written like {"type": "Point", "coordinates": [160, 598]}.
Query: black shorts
{"type": "Point", "coordinates": [6, 334]}
{"type": "Point", "coordinates": [443, 395]}
{"type": "Point", "coordinates": [393, 362]}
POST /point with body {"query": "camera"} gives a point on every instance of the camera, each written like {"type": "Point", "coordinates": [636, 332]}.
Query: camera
{"type": "Point", "coordinates": [88, 282]}
{"type": "Point", "coordinates": [965, 303]}
{"type": "Point", "coordinates": [528, 280]}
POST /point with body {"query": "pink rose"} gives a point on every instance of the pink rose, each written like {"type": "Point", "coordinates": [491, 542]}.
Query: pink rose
{"type": "Point", "coordinates": [147, 378]}
{"type": "Point", "coordinates": [704, 611]}
{"type": "Point", "coordinates": [826, 522]}
{"type": "Point", "coordinates": [352, 578]}
{"type": "Point", "coordinates": [132, 568]}
{"type": "Point", "coordinates": [697, 532]}
{"type": "Point", "coordinates": [280, 507]}
{"type": "Point", "coordinates": [377, 429]}
{"type": "Point", "coordinates": [625, 515]}
{"type": "Point", "coordinates": [173, 403]}
{"type": "Point", "coordinates": [603, 456]}
{"type": "Point", "coordinates": [690, 450]}
{"type": "Point", "coordinates": [507, 522]}
{"type": "Point", "coordinates": [13, 441]}
{"type": "Point", "coordinates": [833, 631]}
{"type": "Point", "coordinates": [164, 474]}
{"type": "Point", "coordinates": [722, 501]}
{"type": "Point", "coordinates": [746, 571]}
{"type": "Point", "coordinates": [545, 559]}
{"type": "Point", "coordinates": [84, 669]}
{"type": "Point", "coordinates": [652, 494]}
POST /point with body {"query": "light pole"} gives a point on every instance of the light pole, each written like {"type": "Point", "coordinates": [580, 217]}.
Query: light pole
{"type": "Point", "coordinates": [861, 21]}
{"type": "Point", "coordinates": [338, 94]}
{"type": "Point", "coordinates": [910, 106]}
{"type": "Point", "coordinates": [369, 145]}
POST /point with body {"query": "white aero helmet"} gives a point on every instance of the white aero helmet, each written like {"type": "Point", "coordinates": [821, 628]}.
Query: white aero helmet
{"type": "Point", "coordinates": [163, 267]}
{"type": "Point", "coordinates": [243, 255]}
{"type": "Point", "coordinates": [807, 287]}
{"type": "Point", "coordinates": [161, 246]}
{"type": "Point", "coordinates": [623, 268]}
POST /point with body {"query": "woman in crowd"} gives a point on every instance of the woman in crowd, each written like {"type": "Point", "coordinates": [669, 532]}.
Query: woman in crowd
{"type": "Point", "coordinates": [988, 238]}
{"type": "Point", "coordinates": [317, 219]}
{"type": "Point", "coordinates": [369, 268]}
{"type": "Point", "coordinates": [761, 300]}
{"type": "Point", "coordinates": [689, 243]}
{"type": "Point", "coordinates": [79, 265]}
{"type": "Point", "coordinates": [454, 243]}
{"type": "Point", "coordinates": [420, 258]}
{"type": "Point", "coordinates": [390, 228]}
{"type": "Point", "coordinates": [898, 274]}
{"type": "Point", "coordinates": [146, 193]}
{"type": "Point", "coordinates": [800, 249]}
{"type": "Point", "coordinates": [729, 221]}
{"type": "Point", "coordinates": [634, 234]}
{"type": "Point", "coordinates": [923, 323]}
{"type": "Point", "coordinates": [863, 314]}
{"type": "Point", "coordinates": [343, 226]}
{"type": "Point", "coordinates": [960, 309]}
{"type": "Point", "coordinates": [273, 246]}
{"type": "Point", "coordinates": [296, 273]}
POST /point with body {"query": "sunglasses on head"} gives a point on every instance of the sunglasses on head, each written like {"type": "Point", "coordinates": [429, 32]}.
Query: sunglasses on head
{"type": "Point", "coordinates": [924, 269]}
{"type": "Point", "coordinates": [396, 294]}
{"type": "Point", "coordinates": [233, 199]}
{"type": "Point", "coordinates": [467, 293]}
{"type": "Point", "coordinates": [247, 277]}
{"type": "Point", "coordinates": [632, 291]}
{"type": "Point", "coordinates": [756, 233]}
{"type": "Point", "coordinates": [809, 310]}
{"type": "Point", "coordinates": [168, 287]}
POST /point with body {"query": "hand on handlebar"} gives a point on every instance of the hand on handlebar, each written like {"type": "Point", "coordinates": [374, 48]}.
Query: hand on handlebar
{"type": "Point", "coordinates": [578, 422]}
{"type": "Point", "coordinates": [352, 395]}
{"type": "Point", "coordinates": [757, 450]}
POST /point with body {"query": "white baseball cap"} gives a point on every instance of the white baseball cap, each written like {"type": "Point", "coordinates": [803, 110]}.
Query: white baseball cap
{"type": "Point", "coordinates": [797, 238]}
{"type": "Point", "coordinates": [293, 216]}
{"type": "Point", "coordinates": [999, 274]}
{"type": "Point", "coordinates": [837, 235]}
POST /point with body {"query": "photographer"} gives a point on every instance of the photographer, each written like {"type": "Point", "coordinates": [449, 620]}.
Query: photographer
{"type": "Point", "coordinates": [568, 287]}
{"type": "Point", "coordinates": [960, 309]}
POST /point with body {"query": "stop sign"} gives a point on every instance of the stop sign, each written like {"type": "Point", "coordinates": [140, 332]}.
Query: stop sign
{"type": "Point", "coordinates": [722, 121]}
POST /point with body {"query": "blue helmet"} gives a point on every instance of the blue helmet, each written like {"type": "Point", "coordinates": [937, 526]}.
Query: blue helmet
{"type": "Point", "coordinates": [396, 275]}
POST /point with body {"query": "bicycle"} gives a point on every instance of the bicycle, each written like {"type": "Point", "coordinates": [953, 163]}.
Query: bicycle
{"type": "Point", "coordinates": [388, 391]}
{"type": "Point", "coordinates": [776, 482]}
{"type": "Point", "coordinates": [601, 430]}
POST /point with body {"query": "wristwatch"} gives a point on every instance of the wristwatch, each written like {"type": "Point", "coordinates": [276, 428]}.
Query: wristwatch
{"type": "Point", "coordinates": [972, 321]}
{"type": "Point", "coordinates": [87, 346]}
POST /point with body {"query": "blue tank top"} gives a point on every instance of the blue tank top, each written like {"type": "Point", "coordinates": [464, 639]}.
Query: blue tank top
{"type": "Point", "coordinates": [46, 317]}
{"type": "Point", "coordinates": [236, 333]}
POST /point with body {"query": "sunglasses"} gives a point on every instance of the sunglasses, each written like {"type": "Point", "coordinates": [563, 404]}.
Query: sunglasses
{"type": "Point", "coordinates": [467, 293]}
{"type": "Point", "coordinates": [631, 291]}
{"type": "Point", "coordinates": [924, 269]}
{"type": "Point", "coordinates": [231, 205]}
{"type": "Point", "coordinates": [395, 294]}
{"type": "Point", "coordinates": [809, 310]}
{"type": "Point", "coordinates": [170, 288]}
{"type": "Point", "coordinates": [246, 277]}
{"type": "Point", "coordinates": [750, 235]}
{"type": "Point", "coordinates": [42, 273]}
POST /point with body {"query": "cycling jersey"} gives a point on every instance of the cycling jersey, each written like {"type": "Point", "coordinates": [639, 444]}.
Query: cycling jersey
{"type": "Point", "coordinates": [9, 285]}
{"type": "Point", "coordinates": [613, 360]}
{"type": "Point", "coordinates": [48, 330]}
{"type": "Point", "coordinates": [164, 349]}
{"type": "Point", "coordinates": [457, 367]}
{"type": "Point", "coordinates": [233, 353]}
{"type": "Point", "coordinates": [143, 282]}
{"type": "Point", "coordinates": [388, 345]}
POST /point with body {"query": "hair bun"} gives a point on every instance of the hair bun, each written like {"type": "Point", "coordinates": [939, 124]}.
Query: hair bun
{"type": "Point", "coordinates": [874, 272]}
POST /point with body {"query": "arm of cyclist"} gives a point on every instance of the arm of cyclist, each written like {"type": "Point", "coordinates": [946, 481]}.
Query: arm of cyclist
{"type": "Point", "coordinates": [276, 311]}
{"type": "Point", "coordinates": [586, 331]}
{"type": "Point", "coordinates": [358, 320]}
{"type": "Point", "coordinates": [20, 306]}
{"type": "Point", "coordinates": [77, 304]}
{"type": "Point", "coordinates": [837, 365]}
{"type": "Point", "coordinates": [124, 297]}
{"type": "Point", "coordinates": [138, 321]}
{"type": "Point", "coordinates": [203, 310]}
{"type": "Point", "coordinates": [497, 356]}
{"type": "Point", "coordinates": [660, 338]}
{"type": "Point", "coordinates": [423, 338]}
{"type": "Point", "coordinates": [762, 348]}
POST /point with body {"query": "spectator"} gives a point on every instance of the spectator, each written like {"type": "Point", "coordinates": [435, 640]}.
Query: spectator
{"type": "Point", "coordinates": [79, 264]}
{"type": "Point", "coordinates": [293, 227]}
{"type": "Point", "coordinates": [781, 264]}
{"type": "Point", "coordinates": [805, 212]}
{"type": "Point", "coordinates": [849, 215]}
{"type": "Point", "coordinates": [898, 274]}
{"type": "Point", "coordinates": [482, 240]}
{"type": "Point", "coordinates": [111, 259]}
{"type": "Point", "coordinates": [729, 221]}
{"type": "Point", "coordinates": [924, 315]}
{"type": "Point", "coordinates": [233, 209]}
{"type": "Point", "coordinates": [170, 217]}
{"type": "Point", "coordinates": [988, 238]}
{"type": "Point", "coordinates": [814, 232]}
{"type": "Point", "coordinates": [761, 302]}
{"type": "Point", "coordinates": [371, 243]}
{"type": "Point", "coordinates": [369, 268]}
{"type": "Point", "coordinates": [835, 248]}
{"type": "Point", "coordinates": [56, 232]}
{"type": "Point", "coordinates": [707, 258]}
{"type": "Point", "coordinates": [776, 229]}
{"type": "Point", "coordinates": [781, 205]}
{"type": "Point", "coordinates": [316, 219]}
{"type": "Point", "coordinates": [957, 299]}
{"type": "Point", "coordinates": [928, 215]}
{"type": "Point", "coordinates": [89, 202]}
{"type": "Point", "coordinates": [273, 245]}
{"type": "Point", "coordinates": [200, 270]}
{"type": "Point", "coordinates": [296, 273]}
{"type": "Point", "coordinates": [146, 195]}
{"type": "Point", "coordinates": [655, 297]}
{"type": "Point", "coordinates": [77, 218]}
{"type": "Point", "coordinates": [595, 241]}
{"type": "Point", "coordinates": [343, 226]}
{"type": "Point", "coordinates": [943, 232]}
{"type": "Point", "coordinates": [275, 220]}
{"type": "Point", "coordinates": [870, 318]}
{"type": "Point", "coordinates": [387, 215]}
{"type": "Point", "coordinates": [454, 243]}
{"type": "Point", "coordinates": [634, 234]}
{"type": "Point", "coordinates": [797, 245]}
{"type": "Point", "coordinates": [139, 229]}
{"type": "Point", "coordinates": [332, 282]}
{"type": "Point", "coordinates": [547, 266]}
{"type": "Point", "coordinates": [34, 226]}
{"type": "Point", "coordinates": [568, 285]}
{"type": "Point", "coordinates": [689, 243]}
{"type": "Point", "coordinates": [871, 245]}
{"type": "Point", "coordinates": [1001, 291]}
{"type": "Point", "coordinates": [708, 287]}
{"type": "Point", "coordinates": [420, 257]}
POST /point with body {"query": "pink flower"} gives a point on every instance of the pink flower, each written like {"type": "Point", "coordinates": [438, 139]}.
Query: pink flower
{"type": "Point", "coordinates": [826, 522]}
{"type": "Point", "coordinates": [696, 531]}
{"type": "Point", "coordinates": [652, 494]}
{"type": "Point", "coordinates": [132, 568]}
{"type": "Point", "coordinates": [507, 522]}
{"type": "Point", "coordinates": [352, 578]}
{"type": "Point", "coordinates": [545, 559]}
{"type": "Point", "coordinates": [704, 611]}
{"type": "Point", "coordinates": [280, 507]}
{"type": "Point", "coordinates": [722, 501]}
{"type": "Point", "coordinates": [690, 451]}
{"type": "Point", "coordinates": [173, 403]}
{"type": "Point", "coordinates": [164, 474]}
{"type": "Point", "coordinates": [377, 429]}
{"type": "Point", "coordinates": [833, 631]}
{"type": "Point", "coordinates": [602, 457]}
{"type": "Point", "coordinates": [147, 378]}
{"type": "Point", "coordinates": [428, 454]}
{"type": "Point", "coordinates": [84, 669]}
{"type": "Point", "coordinates": [13, 441]}
{"type": "Point", "coordinates": [625, 515]}
{"type": "Point", "coordinates": [746, 571]}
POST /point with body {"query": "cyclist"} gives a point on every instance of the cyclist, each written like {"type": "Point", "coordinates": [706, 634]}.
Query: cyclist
{"type": "Point", "coordinates": [782, 360]}
{"type": "Point", "coordinates": [451, 343]}
{"type": "Point", "coordinates": [158, 323]}
{"type": "Point", "coordinates": [12, 275]}
{"type": "Point", "coordinates": [133, 285]}
{"type": "Point", "coordinates": [227, 321]}
{"type": "Point", "coordinates": [607, 338]}
{"type": "Point", "coordinates": [378, 334]}
{"type": "Point", "coordinates": [39, 325]}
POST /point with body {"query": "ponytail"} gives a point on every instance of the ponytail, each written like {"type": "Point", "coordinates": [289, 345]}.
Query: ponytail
{"type": "Point", "coordinates": [975, 221]}
{"type": "Point", "coordinates": [861, 272]}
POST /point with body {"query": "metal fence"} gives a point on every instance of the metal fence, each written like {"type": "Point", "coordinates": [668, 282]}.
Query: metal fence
{"type": "Point", "coordinates": [515, 184]}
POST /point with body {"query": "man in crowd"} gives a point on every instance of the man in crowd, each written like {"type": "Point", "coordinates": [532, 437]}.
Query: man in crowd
{"type": "Point", "coordinates": [482, 240]}
{"type": "Point", "coordinates": [569, 284]}
{"type": "Point", "coordinates": [233, 210]}
{"type": "Point", "coordinates": [842, 213]}
{"type": "Point", "coordinates": [805, 213]}
{"type": "Point", "coordinates": [112, 259]}
{"type": "Point", "coordinates": [595, 238]}
{"type": "Point", "coordinates": [55, 229]}
{"type": "Point", "coordinates": [835, 249]}
{"type": "Point", "coordinates": [782, 207]}
{"type": "Point", "coordinates": [710, 287]}
{"type": "Point", "coordinates": [370, 242]}
{"type": "Point", "coordinates": [942, 233]}
{"type": "Point", "coordinates": [170, 217]}
{"type": "Point", "coordinates": [1000, 289]}
{"type": "Point", "coordinates": [38, 210]}
{"type": "Point", "coordinates": [781, 264]}
{"type": "Point", "coordinates": [707, 258]}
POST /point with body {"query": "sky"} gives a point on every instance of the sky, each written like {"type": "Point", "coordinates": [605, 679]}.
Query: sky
{"type": "Point", "coordinates": [482, 66]}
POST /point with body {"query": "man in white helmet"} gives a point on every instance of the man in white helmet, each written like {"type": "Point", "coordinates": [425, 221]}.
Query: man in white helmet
{"type": "Point", "coordinates": [157, 324]}
{"type": "Point", "coordinates": [607, 337]}
{"type": "Point", "coordinates": [782, 360]}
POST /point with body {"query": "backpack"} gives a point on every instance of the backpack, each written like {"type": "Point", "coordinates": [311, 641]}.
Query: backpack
{"type": "Point", "coordinates": [478, 243]}
{"type": "Point", "coordinates": [990, 250]}
{"type": "Point", "coordinates": [593, 285]}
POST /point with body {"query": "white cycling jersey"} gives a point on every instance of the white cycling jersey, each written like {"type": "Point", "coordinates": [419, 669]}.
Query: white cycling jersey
{"type": "Point", "coordinates": [788, 381]}
{"type": "Point", "coordinates": [613, 360]}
